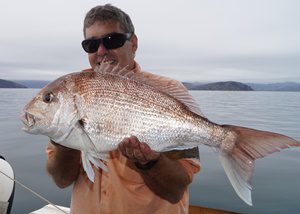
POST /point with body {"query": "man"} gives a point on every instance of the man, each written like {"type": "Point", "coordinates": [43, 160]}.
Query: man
{"type": "Point", "coordinates": [139, 180]}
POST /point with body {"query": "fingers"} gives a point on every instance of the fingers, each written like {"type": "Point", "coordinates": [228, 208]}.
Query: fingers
{"type": "Point", "coordinates": [148, 152]}
{"type": "Point", "coordinates": [131, 149]}
{"type": "Point", "coordinates": [137, 151]}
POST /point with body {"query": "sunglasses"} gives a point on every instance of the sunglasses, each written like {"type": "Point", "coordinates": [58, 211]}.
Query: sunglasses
{"type": "Point", "coordinates": [111, 41]}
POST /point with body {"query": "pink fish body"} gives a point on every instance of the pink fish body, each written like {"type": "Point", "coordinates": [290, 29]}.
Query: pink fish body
{"type": "Point", "coordinates": [93, 111]}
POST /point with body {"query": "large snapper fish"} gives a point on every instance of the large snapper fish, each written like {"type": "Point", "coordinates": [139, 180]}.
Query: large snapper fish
{"type": "Point", "coordinates": [93, 111]}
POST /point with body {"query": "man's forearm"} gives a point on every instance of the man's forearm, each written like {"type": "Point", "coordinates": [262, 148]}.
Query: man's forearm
{"type": "Point", "coordinates": [63, 164]}
{"type": "Point", "coordinates": [167, 178]}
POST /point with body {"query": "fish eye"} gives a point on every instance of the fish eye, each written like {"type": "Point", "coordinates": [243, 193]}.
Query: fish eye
{"type": "Point", "coordinates": [48, 97]}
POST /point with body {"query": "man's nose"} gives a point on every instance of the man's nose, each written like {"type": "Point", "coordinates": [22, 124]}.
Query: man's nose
{"type": "Point", "coordinates": [101, 50]}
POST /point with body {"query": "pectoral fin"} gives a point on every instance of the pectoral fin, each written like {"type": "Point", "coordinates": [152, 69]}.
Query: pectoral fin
{"type": "Point", "coordinates": [90, 153]}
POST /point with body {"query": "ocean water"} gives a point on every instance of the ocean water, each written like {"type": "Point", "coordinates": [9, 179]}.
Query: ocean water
{"type": "Point", "coordinates": [276, 187]}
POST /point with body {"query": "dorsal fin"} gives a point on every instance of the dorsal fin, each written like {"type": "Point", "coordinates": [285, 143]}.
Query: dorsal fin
{"type": "Point", "coordinates": [174, 88]}
{"type": "Point", "coordinates": [118, 71]}
{"type": "Point", "coordinates": [167, 85]}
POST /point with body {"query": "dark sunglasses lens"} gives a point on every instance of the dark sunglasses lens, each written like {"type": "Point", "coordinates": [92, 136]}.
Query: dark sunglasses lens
{"type": "Point", "coordinates": [90, 45]}
{"type": "Point", "coordinates": [114, 41]}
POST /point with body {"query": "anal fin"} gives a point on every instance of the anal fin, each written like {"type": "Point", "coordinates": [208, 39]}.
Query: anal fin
{"type": "Point", "coordinates": [185, 153]}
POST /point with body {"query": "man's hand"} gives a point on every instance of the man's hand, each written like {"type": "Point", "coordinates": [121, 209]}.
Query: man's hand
{"type": "Point", "coordinates": [136, 151]}
{"type": "Point", "coordinates": [168, 179]}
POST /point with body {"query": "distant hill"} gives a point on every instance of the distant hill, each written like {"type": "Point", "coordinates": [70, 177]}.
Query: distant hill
{"type": "Point", "coordinates": [193, 85]}
{"type": "Point", "coordinates": [10, 84]}
{"type": "Point", "coordinates": [222, 86]}
{"type": "Point", "coordinates": [219, 86]}
{"type": "Point", "coordinates": [33, 83]}
{"type": "Point", "coordinates": [286, 86]}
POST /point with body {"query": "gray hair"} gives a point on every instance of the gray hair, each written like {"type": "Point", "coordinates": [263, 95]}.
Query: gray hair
{"type": "Point", "coordinates": [106, 13]}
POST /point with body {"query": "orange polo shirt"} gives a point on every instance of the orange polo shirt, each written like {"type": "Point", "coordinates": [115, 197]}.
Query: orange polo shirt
{"type": "Point", "coordinates": [123, 190]}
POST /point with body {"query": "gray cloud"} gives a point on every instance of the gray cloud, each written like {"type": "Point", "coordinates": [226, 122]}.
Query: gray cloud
{"type": "Point", "coordinates": [204, 40]}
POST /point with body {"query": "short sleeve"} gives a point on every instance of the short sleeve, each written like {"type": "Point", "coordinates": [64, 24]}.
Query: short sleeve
{"type": "Point", "coordinates": [192, 166]}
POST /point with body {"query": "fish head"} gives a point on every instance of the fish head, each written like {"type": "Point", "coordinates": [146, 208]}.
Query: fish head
{"type": "Point", "coordinates": [52, 111]}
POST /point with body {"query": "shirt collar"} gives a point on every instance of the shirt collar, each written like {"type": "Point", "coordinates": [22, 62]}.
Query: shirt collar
{"type": "Point", "coordinates": [136, 68]}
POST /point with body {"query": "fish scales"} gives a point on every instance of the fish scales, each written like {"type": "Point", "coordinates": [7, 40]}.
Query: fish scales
{"type": "Point", "coordinates": [132, 108]}
{"type": "Point", "coordinates": [93, 111]}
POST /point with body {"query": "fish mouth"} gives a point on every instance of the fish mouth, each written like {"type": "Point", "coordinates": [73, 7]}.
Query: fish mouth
{"type": "Point", "coordinates": [28, 120]}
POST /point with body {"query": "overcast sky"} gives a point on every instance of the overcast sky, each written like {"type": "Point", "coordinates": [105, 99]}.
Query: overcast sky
{"type": "Point", "coordinates": [199, 40]}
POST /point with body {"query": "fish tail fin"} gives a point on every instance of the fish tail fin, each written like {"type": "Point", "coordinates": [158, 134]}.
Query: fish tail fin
{"type": "Point", "coordinates": [250, 145]}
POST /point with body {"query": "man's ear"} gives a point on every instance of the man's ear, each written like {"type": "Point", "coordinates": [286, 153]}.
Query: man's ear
{"type": "Point", "coordinates": [134, 41]}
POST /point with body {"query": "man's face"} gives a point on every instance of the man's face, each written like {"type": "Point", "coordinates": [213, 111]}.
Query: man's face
{"type": "Point", "coordinates": [123, 56]}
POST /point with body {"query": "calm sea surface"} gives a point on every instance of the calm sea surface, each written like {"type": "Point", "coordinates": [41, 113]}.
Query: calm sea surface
{"type": "Point", "coordinates": [276, 187]}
